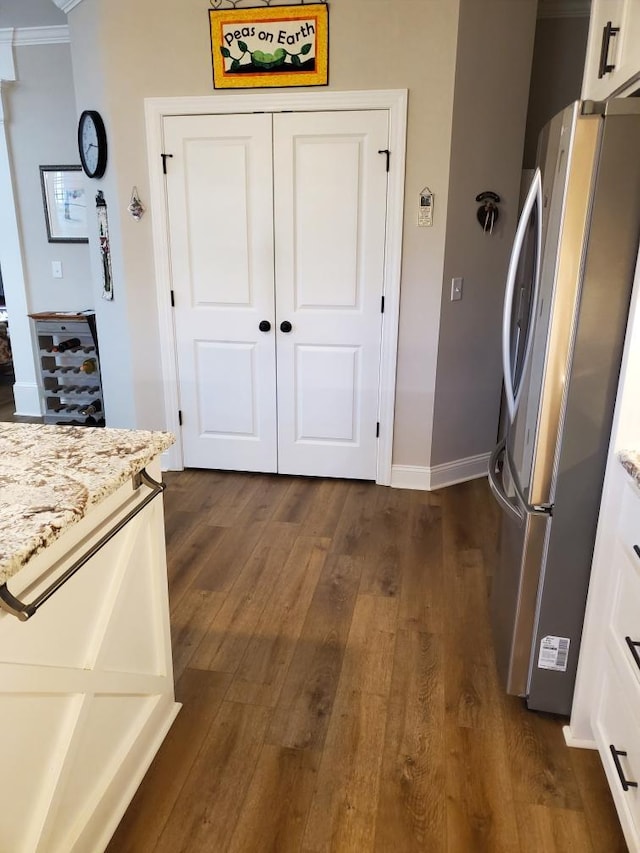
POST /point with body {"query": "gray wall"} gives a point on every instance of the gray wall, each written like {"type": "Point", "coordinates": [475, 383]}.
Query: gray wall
{"type": "Point", "coordinates": [41, 121]}
{"type": "Point", "coordinates": [30, 13]}
{"type": "Point", "coordinates": [556, 75]}
{"type": "Point", "coordinates": [486, 154]}
{"type": "Point", "coordinates": [124, 52]}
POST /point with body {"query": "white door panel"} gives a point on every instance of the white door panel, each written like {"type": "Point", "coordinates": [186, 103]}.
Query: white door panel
{"type": "Point", "coordinates": [330, 187]}
{"type": "Point", "coordinates": [317, 417]}
{"type": "Point", "coordinates": [219, 190]}
{"type": "Point", "coordinates": [279, 218]}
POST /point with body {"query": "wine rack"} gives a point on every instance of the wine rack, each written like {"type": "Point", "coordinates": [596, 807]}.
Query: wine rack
{"type": "Point", "coordinates": [69, 369]}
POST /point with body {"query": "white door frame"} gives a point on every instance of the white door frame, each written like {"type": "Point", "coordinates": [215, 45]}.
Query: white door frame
{"type": "Point", "coordinates": [393, 100]}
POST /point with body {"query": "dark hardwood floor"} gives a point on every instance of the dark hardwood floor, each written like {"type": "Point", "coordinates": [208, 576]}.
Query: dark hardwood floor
{"type": "Point", "coordinates": [333, 653]}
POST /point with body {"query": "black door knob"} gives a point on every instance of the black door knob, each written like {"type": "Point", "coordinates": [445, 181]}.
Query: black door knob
{"type": "Point", "coordinates": [285, 326]}
{"type": "Point", "coordinates": [264, 326]}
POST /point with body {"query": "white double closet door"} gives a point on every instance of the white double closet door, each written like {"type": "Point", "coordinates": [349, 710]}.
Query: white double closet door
{"type": "Point", "coordinates": [277, 238]}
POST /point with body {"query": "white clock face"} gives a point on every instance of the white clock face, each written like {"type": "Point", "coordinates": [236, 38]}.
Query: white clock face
{"type": "Point", "coordinates": [90, 144]}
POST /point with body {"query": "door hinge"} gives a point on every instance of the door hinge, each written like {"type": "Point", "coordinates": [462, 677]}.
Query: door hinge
{"type": "Point", "coordinates": [382, 305]}
{"type": "Point", "coordinates": [173, 299]}
{"type": "Point", "coordinates": [388, 153]}
{"type": "Point", "coordinates": [180, 417]}
{"type": "Point", "coordinates": [164, 162]}
{"type": "Point", "coordinates": [378, 429]}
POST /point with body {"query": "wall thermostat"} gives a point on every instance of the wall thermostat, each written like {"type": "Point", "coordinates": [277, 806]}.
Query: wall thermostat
{"type": "Point", "coordinates": [425, 208]}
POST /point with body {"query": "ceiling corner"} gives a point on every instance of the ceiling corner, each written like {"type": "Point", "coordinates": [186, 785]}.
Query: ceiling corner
{"type": "Point", "coordinates": [67, 5]}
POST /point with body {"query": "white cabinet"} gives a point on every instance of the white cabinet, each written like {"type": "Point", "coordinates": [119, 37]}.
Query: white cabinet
{"type": "Point", "coordinates": [86, 684]}
{"type": "Point", "coordinates": [617, 710]}
{"type": "Point", "coordinates": [606, 705]}
{"type": "Point", "coordinates": [613, 48]}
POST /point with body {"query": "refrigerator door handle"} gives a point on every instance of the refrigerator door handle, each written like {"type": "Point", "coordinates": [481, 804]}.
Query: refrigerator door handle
{"type": "Point", "coordinates": [534, 196]}
{"type": "Point", "coordinates": [495, 482]}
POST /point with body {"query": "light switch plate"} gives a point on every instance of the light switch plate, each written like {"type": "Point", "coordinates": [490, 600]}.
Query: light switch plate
{"type": "Point", "coordinates": [56, 269]}
{"type": "Point", "coordinates": [456, 289]}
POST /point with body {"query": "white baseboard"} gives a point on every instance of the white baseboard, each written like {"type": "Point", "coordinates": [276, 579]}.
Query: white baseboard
{"type": "Point", "coordinates": [448, 474]}
{"type": "Point", "coordinates": [579, 743]}
{"type": "Point", "coordinates": [26, 396]}
{"type": "Point", "coordinates": [410, 477]}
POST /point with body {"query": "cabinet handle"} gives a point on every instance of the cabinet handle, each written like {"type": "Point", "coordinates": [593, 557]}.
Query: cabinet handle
{"type": "Point", "coordinates": [285, 326]}
{"type": "Point", "coordinates": [607, 32]}
{"type": "Point", "coordinates": [23, 610]}
{"type": "Point", "coordinates": [636, 548]}
{"type": "Point", "coordinates": [615, 754]}
{"type": "Point", "coordinates": [633, 648]}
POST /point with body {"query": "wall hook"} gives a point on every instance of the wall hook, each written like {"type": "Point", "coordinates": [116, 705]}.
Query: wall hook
{"type": "Point", "coordinates": [136, 207]}
{"type": "Point", "coordinates": [488, 213]}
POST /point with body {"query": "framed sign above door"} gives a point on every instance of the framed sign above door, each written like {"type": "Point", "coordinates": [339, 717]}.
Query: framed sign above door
{"type": "Point", "coordinates": [270, 46]}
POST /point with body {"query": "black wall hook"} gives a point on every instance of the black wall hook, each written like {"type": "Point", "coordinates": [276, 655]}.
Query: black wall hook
{"type": "Point", "coordinates": [488, 213]}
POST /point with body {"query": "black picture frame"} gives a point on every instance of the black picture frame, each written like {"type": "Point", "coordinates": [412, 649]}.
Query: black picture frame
{"type": "Point", "coordinates": [65, 204]}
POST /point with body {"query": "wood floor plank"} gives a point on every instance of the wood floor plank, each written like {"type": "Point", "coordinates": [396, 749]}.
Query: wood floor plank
{"type": "Point", "coordinates": [274, 814]}
{"type": "Point", "coordinates": [202, 694]}
{"type": "Point", "coordinates": [230, 630]}
{"type": "Point", "coordinates": [263, 669]}
{"type": "Point", "coordinates": [190, 623]}
{"type": "Point", "coordinates": [481, 814]}
{"type": "Point", "coordinates": [368, 658]}
{"type": "Point", "coordinates": [541, 767]}
{"type": "Point", "coordinates": [189, 557]}
{"type": "Point", "coordinates": [325, 513]}
{"type": "Point", "coordinates": [411, 812]}
{"type": "Point", "coordinates": [544, 829]}
{"type": "Point", "coordinates": [210, 802]}
{"type": "Point", "coordinates": [233, 548]}
{"type": "Point", "coordinates": [371, 715]}
{"type": "Point", "coordinates": [304, 708]}
{"type": "Point", "coordinates": [343, 809]}
{"type": "Point", "coordinates": [298, 500]}
{"type": "Point", "coordinates": [423, 605]}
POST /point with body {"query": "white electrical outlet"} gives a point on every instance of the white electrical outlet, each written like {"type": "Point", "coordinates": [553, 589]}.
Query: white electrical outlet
{"type": "Point", "coordinates": [56, 269]}
{"type": "Point", "coordinates": [456, 289]}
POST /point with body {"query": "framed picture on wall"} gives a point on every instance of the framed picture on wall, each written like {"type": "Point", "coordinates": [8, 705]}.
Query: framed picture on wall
{"type": "Point", "coordinates": [65, 204]}
{"type": "Point", "coordinates": [270, 46]}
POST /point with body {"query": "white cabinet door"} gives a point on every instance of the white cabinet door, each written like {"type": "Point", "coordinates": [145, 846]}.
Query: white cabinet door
{"type": "Point", "coordinates": [330, 210]}
{"type": "Point", "coordinates": [220, 200]}
{"type": "Point", "coordinates": [311, 255]}
{"type": "Point", "coordinates": [613, 48]}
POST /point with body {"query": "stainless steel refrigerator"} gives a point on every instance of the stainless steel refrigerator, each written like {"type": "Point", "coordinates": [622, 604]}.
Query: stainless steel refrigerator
{"type": "Point", "coordinates": [565, 310]}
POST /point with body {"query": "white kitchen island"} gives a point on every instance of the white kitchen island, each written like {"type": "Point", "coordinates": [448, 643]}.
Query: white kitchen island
{"type": "Point", "coordinates": [86, 680]}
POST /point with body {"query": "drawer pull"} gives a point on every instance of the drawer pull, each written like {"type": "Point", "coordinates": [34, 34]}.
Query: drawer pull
{"type": "Point", "coordinates": [615, 754]}
{"type": "Point", "coordinates": [636, 548]}
{"type": "Point", "coordinates": [608, 32]}
{"type": "Point", "coordinates": [634, 645]}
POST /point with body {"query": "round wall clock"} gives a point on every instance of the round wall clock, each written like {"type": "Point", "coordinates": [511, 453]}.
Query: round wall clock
{"type": "Point", "coordinates": [92, 143]}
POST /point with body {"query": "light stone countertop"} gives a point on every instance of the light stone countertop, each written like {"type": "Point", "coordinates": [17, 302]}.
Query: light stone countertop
{"type": "Point", "coordinates": [51, 476]}
{"type": "Point", "coordinates": [631, 462]}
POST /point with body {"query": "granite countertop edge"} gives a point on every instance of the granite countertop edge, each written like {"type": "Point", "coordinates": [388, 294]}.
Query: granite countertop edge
{"type": "Point", "coordinates": [630, 460]}
{"type": "Point", "coordinates": [52, 476]}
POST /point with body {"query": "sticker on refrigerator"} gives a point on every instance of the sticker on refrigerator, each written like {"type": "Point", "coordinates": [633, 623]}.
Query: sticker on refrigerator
{"type": "Point", "coordinates": [554, 653]}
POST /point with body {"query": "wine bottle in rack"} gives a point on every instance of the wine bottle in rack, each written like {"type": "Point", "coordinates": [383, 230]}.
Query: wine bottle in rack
{"type": "Point", "coordinates": [92, 408]}
{"type": "Point", "coordinates": [63, 346]}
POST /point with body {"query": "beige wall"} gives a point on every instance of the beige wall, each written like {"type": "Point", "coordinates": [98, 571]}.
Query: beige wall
{"type": "Point", "coordinates": [124, 52]}
{"type": "Point", "coordinates": [495, 42]}
{"type": "Point", "coordinates": [41, 122]}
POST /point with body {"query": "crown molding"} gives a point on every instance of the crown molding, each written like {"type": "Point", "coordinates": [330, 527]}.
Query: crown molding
{"type": "Point", "coordinates": [7, 65]}
{"type": "Point", "coordinates": [564, 8]}
{"type": "Point", "coordinates": [42, 35]}
{"type": "Point", "coordinates": [67, 5]}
